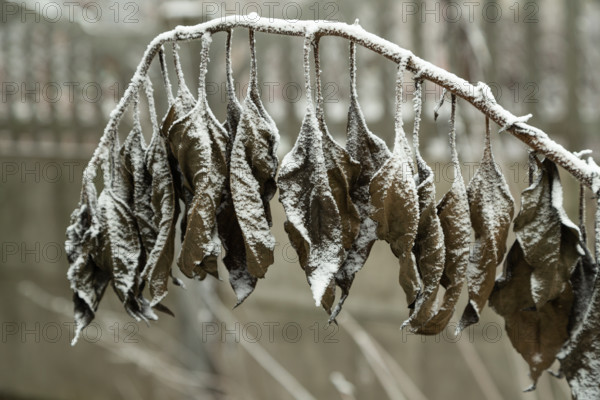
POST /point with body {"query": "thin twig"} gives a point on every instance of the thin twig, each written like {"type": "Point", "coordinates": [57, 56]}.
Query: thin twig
{"type": "Point", "coordinates": [366, 345]}
{"type": "Point", "coordinates": [409, 388]}
{"type": "Point", "coordinates": [256, 351]}
{"type": "Point", "coordinates": [344, 388]}
{"type": "Point", "coordinates": [479, 370]}
{"type": "Point", "coordinates": [196, 384]}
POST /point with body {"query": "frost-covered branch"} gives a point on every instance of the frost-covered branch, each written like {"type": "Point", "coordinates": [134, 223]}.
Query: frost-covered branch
{"type": "Point", "coordinates": [478, 95]}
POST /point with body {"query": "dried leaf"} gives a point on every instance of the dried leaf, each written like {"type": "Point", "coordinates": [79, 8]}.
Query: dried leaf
{"type": "Point", "coordinates": [120, 251]}
{"type": "Point", "coordinates": [253, 169]}
{"type": "Point", "coordinates": [172, 129]}
{"type": "Point", "coordinates": [492, 209]}
{"type": "Point", "coordinates": [314, 222]}
{"type": "Point", "coordinates": [582, 281]}
{"type": "Point", "coordinates": [88, 281]}
{"type": "Point", "coordinates": [548, 238]}
{"type": "Point", "coordinates": [342, 170]}
{"type": "Point", "coordinates": [371, 153]}
{"type": "Point", "coordinates": [165, 207]}
{"type": "Point", "coordinates": [201, 144]}
{"type": "Point", "coordinates": [342, 174]}
{"type": "Point", "coordinates": [580, 357]}
{"type": "Point", "coordinates": [453, 212]}
{"type": "Point", "coordinates": [132, 157]}
{"type": "Point", "coordinates": [538, 330]}
{"type": "Point", "coordinates": [429, 247]}
{"type": "Point", "coordinates": [396, 205]}
{"type": "Point", "coordinates": [583, 277]}
{"type": "Point", "coordinates": [537, 334]}
{"type": "Point", "coordinates": [242, 282]}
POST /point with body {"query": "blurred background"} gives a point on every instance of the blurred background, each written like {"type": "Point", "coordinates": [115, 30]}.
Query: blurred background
{"type": "Point", "coordinates": [63, 67]}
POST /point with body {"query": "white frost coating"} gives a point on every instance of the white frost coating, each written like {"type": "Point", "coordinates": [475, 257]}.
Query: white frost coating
{"type": "Point", "coordinates": [513, 121]}
{"type": "Point", "coordinates": [307, 161]}
{"type": "Point", "coordinates": [483, 93]}
{"type": "Point", "coordinates": [596, 175]}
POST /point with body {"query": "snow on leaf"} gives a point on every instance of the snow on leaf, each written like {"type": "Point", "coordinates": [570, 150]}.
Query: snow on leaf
{"type": "Point", "coordinates": [154, 199]}
{"type": "Point", "coordinates": [342, 174]}
{"type": "Point", "coordinates": [132, 156]}
{"type": "Point", "coordinates": [395, 203]}
{"type": "Point", "coordinates": [88, 281]}
{"type": "Point", "coordinates": [200, 142]}
{"type": "Point", "coordinates": [453, 212]}
{"type": "Point", "coordinates": [172, 128]}
{"type": "Point", "coordinates": [548, 238]}
{"type": "Point", "coordinates": [491, 209]}
{"type": "Point", "coordinates": [121, 251]}
{"type": "Point", "coordinates": [429, 247]}
{"type": "Point", "coordinates": [371, 152]}
{"type": "Point", "coordinates": [230, 233]}
{"type": "Point", "coordinates": [165, 207]}
{"type": "Point", "coordinates": [537, 334]}
{"type": "Point", "coordinates": [314, 223]}
{"type": "Point", "coordinates": [253, 169]}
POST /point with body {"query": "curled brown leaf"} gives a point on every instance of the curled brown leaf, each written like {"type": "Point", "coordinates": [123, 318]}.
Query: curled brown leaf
{"type": "Point", "coordinates": [253, 169]}
{"type": "Point", "coordinates": [537, 334]}
{"type": "Point", "coordinates": [453, 212]}
{"type": "Point", "coordinates": [396, 205]}
{"type": "Point", "coordinates": [429, 247]}
{"type": "Point", "coordinates": [492, 209]}
{"type": "Point", "coordinates": [371, 153]}
{"type": "Point", "coordinates": [242, 282]}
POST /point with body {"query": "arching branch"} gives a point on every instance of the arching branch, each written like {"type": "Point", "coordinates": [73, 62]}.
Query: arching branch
{"type": "Point", "coordinates": [478, 95]}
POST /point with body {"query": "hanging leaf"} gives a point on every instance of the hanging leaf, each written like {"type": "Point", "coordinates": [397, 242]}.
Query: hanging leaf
{"type": "Point", "coordinates": [122, 248]}
{"type": "Point", "coordinates": [157, 192]}
{"type": "Point", "coordinates": [120, 251]}
{"type": "Point", "coordinates": [537, 334]}
{"type": "Point", "coordinates": [134, 187]}
{"type": "Point", "coordinates": [242, 282]}
{"type": "Point", "coordinates": [548, 238]}
{"type": "Point", "coordinates": [453, 212]}
{"type": "Point", "coordinates": [371, 153]}
{"type": "Point", "coordinates": [492, 209]}
{"type": "Point", "coordinates": [580, 357]}
{"type": "Point", "coordinates": [314, 224]}
{"type": "Point", "coordinates": [537, 331]}
{"type": "Point", "coordinates": [313, 221]}
{"type": "Point", "coordinates": [88, 281]}
{"type": "Point", "coordinates": [201, 144]}
{"type": "Point", "coordinates": [582, 282]}
{"type": "Point", "coordinates": [429, 247]}
{"type": "Point", "coordinates": [395, 202]}
{"type": "Point", "coordinates": [253, 169]}
{"type": "Point", "coordinates": [132, 157]}
{"type": "Point", "coordinates": [583, 277]}
{"type": "Point", "coordinates": [165, 210]}
{"type": "Point", "coordinates": [165, 207]}
{"type": "Point", "coordinates": [172, 128]}
{"type": "Point", "coordinates": [342, 174]}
